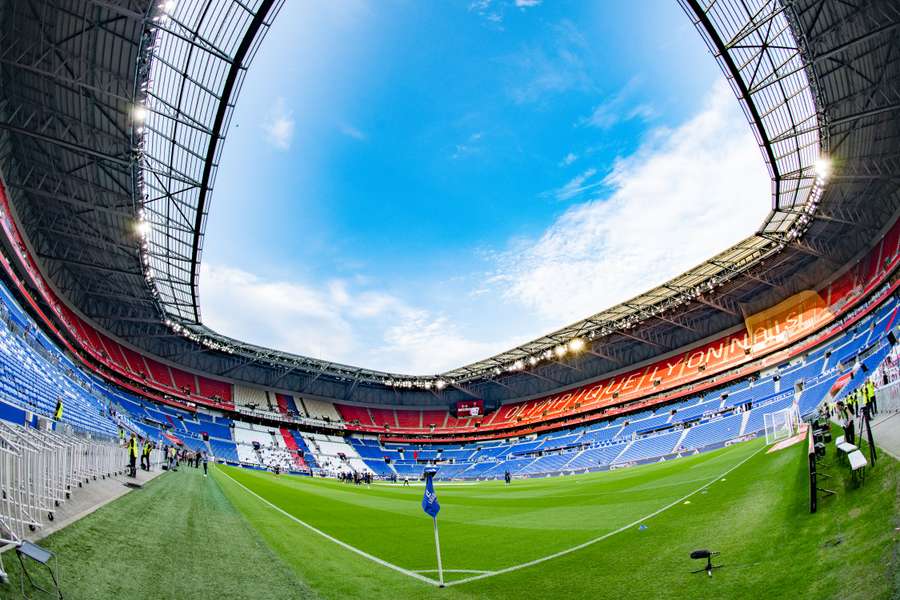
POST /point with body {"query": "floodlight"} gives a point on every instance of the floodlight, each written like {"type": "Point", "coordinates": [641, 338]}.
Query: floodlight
{"type": "Point", "coordinates": [169, 6]}
{"type": "Point", "coordinates": [440, 384]}
{"type": "Point", "coordinates": [532, 360]}
{"type": "Point", "coordinates": [576, 345]}
{"type": "Point", "coordinates": [823, 168]}
{"type": "Point", "coordinates": [139, 114]}
{"type": "Point", "coordinates": [143, 228]}
{"type": "Point", "coordinates": [561, 350]}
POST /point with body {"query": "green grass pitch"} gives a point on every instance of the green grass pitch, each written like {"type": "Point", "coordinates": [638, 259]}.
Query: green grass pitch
{"type": "Point", "coordinates": [241, 534]}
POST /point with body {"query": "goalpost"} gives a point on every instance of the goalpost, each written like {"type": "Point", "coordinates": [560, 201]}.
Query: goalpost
{"type": "Point", "coordinates": [781, 424]}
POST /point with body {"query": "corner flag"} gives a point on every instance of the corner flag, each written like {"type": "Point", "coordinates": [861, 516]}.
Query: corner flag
{"type": "Point", "coordinates": [432, 507]}
{"type": "Point", "coordinates": [430, 502]}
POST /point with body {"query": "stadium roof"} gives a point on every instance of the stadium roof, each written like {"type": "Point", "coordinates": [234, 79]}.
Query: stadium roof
{"type": "Point", "coordinates": [113, 115]}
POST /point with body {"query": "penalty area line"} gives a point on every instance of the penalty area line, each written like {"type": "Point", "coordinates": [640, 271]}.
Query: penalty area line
{"type": "Point", "coordinates": [590, 542]}
{"type": "Point", "coordinates": [345, 545]}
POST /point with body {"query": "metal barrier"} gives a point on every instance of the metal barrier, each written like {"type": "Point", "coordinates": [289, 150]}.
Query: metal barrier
{"type": "Point", "coordinates": [888, 398]}
{"type": "Point", "coordinates": [39, 470]}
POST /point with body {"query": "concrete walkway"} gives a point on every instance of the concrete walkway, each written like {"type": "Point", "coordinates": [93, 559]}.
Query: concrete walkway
{"type": "Point", "coordinates": [88, 498]}
{"type": "Point", "coordinates": [886, 431]}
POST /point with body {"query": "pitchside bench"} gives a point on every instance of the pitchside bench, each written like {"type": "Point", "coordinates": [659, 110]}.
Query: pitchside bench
{"type": "Point", "coordinates": [858, 464]}
{"type": "Point", "coordinates": [856, 459]}
{"type": "Point", "coordinates": [844, 448]}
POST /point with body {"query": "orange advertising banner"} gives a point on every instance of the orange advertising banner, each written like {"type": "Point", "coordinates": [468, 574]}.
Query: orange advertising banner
{"type": "Point", "coordinates": [787, 320]}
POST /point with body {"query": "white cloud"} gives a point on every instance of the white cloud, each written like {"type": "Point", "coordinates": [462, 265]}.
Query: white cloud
{"type": "Point", "coordinates": [616, 109]}
{"type": "Point", "coordinates": [351, 131]}
{"type": "Point", "coordinates": [423, 344]}
{"type": "Point", "coordinates": [527, 3]}
{"type": "Point", "coordinates": [339, 320]}
{"type": "Point", "coordinates": [568, 159]}
{"type": "Point", "coordinates": [279, 125]}
{"type": "Point", "coordinates": [490, 11]}
{"type": "Point", "coordinates": [469, 147]}
{"type": "Point", "coordinates": [577, 185]}
{"type": "Point", "coordinates": [685, 195]}
{"type": "Point", "coordinates": [553, 68]}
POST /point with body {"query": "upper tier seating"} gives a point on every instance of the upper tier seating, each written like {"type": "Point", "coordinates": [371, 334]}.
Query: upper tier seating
{"type": "Point", "coordinates": [355, 414]}
{"type": "Point", "coordinates": [250, 397]}
{"type": "Point", "coordinates": [318, 409]}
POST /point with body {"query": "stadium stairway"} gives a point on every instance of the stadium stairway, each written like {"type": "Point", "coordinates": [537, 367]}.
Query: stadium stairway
{"type": "Point", "coordinates": [293, 448]}
{"type": "Point", "coordinates": [744, 420]}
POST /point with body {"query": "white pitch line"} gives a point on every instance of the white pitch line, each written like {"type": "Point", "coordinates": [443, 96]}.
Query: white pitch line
{"type": "Point", "coordinates": [537, 561]}
{"type": "Point", "coordinates": [452, 571]}
{"type": "Point", "coordinates": [362, 553]}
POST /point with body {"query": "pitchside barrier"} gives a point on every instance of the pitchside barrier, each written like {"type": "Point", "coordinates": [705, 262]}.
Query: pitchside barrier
{"type": "Point", "coordinates": [39, 470]}
{"type": "Point", "coordinates": [888, 398]}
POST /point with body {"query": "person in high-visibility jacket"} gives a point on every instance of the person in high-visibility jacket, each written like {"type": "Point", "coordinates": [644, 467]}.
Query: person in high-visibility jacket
{"type": "Point", "coordinates": [132, 455]}
{"type": "Point", "coordinates": [57, 414]}
{"type": "Point", "coordinates": [873, 404]}
{"type": "Point", "coordinates": [145, 455]}
{"type": "Point", "coordinates": [173, 465]}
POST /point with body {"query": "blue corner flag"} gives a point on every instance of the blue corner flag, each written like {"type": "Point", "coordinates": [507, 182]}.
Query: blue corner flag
{"type": "Point", "coordinates": [430, 502]}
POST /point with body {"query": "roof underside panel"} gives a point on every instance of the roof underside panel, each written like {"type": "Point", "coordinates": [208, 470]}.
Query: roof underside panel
{"type": "Point", "coordinates": [193, 60]}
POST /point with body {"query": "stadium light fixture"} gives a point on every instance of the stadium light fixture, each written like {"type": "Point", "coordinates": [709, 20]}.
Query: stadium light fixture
{"type": "Point", "coordinates": [169, 6]}
{"type": "Point", "coordinates": [143, 228]}
{"type": "Point", "coordinates": [440, 384]}
{"type": "Point", "coordinates": [576, 345]}
{"type": "Point", "coordinates": [823, 168]}
{"type": "Point", "coordinates": [561, 350]}
{"type": "Point", "coordinates": [139, 114]}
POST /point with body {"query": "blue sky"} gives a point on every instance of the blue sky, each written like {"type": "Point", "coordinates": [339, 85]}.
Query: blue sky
{"type": "Point", "coordinates": [411, 186]}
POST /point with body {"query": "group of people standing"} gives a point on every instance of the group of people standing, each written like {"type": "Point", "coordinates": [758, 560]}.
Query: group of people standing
{"type": "Point", "coordinates": [137, 446]}
{"type": "Point", "coordinates": [859, 402]}
{"type": "Point", "coordinates": [173, 456]}
{"type": "Point", "coordinates": [355, 478]}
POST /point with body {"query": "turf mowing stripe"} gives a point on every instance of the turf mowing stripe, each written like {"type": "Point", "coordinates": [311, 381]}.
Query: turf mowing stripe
{"type": "Point", "coordinates": [362, 553]}
{"type": "Point", "coordinates": [581, 546]}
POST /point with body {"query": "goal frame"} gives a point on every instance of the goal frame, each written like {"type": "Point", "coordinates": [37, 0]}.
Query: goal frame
{"type": "Point", "coordinates": [781, 424]}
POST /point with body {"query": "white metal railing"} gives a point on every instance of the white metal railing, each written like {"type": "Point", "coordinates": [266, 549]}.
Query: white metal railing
{"type": "Point", "coordinates": [39, 470]}
{"type": "Point", "coordinates": [888, 398]}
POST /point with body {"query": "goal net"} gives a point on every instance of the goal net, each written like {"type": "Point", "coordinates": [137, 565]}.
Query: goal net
{"type": "Point", "coordinates": [781, 424]}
